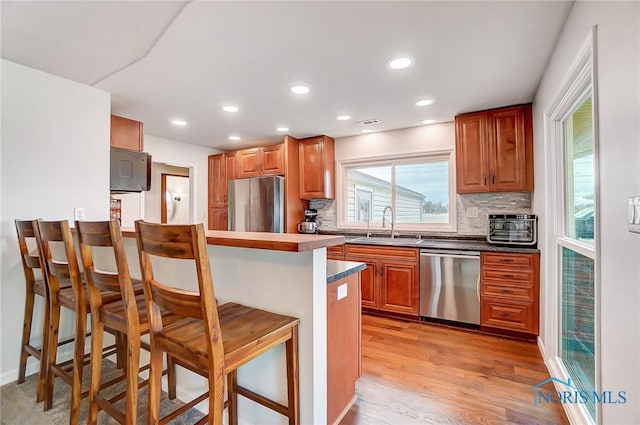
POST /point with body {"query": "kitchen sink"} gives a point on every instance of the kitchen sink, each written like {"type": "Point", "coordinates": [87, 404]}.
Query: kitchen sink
{"type": "Point", "coordinates": [383, 240]}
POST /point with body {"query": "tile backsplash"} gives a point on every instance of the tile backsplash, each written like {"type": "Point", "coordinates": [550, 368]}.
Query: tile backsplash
{"type": "Point", "coordinates": [500, 203]}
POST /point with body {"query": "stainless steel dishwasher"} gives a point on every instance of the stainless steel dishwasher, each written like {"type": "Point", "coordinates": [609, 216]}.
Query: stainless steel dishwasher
{"type": "Point", "coordinates": [450, 285]}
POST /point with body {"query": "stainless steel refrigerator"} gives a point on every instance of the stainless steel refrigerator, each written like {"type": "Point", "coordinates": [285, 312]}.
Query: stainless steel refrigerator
{"type": "Point", "coordinates": [257, 204]}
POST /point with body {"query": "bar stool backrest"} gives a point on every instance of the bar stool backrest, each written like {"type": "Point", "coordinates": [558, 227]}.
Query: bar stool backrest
{"type": "Point", "coordinates": [184, 242]}
{"type": "Point", "coordinates": [48, 232]}
{"type": "Point", "coordinates": [30, 260]}
{"type": "Point", "coordinates": [107, 234]}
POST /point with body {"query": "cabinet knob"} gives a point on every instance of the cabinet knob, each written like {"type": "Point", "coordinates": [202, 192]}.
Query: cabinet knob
{"type": "Point", "coordinates": [493, 179]}
{"type": "Point", "coordinates": [506, 314]}
{"type": "Point", "coordinates": [506, 291]}
{"type": "Point", "coordinates": [508, 276]}
{"type": "Point", "coordinates": [507, 260]}
{"type": "Point", "coordinates": [485, 180]}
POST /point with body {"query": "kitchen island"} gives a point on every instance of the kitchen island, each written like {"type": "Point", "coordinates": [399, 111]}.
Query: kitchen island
{"type": "Point", "coordinates": [282, 273]}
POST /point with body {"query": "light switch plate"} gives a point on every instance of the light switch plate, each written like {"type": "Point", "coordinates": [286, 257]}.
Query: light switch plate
{"type": "Point", "coordinates": [472, 212]}
{"type": "Point", "coordinates": [79, 214]}
{"type": "Point", "coordinates": [634, 214]}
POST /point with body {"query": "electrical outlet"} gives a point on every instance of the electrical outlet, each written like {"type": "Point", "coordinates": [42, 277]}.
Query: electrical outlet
{"type": "Point", "coordinates": [79, 213]}
{"type": "Point", "coordinates": [472, 212]}
{"type": "Point", "coordinates": [342, 291]}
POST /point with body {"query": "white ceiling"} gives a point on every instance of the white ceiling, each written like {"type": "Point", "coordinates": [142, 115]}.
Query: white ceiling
{"type": "Point", "coordinates": [162, 60]}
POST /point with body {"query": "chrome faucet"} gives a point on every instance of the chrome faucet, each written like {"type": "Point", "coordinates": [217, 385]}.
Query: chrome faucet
{"type": "Point", "coordinates": [393, 220]}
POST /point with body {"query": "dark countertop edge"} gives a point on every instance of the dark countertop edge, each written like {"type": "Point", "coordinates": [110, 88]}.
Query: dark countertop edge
{"type": "Point", "coordinates": [337, 269]}
{"type": "Point", "coordinates": [464, 243]}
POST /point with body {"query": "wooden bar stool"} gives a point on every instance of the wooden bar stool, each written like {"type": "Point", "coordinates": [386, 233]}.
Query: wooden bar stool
{"type": "Point", "coordinates": [209, 340]}
{"type": "Point", "coordinates": [128, 316]}
{"type": "Point", "coordinates": [72, 298]}
{"type": "Point", "coordinates": [31, 262]}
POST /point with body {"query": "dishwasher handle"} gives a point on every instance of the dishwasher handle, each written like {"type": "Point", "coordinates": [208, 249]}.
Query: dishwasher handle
{"type": "Point", "coordinates": [451, 254]}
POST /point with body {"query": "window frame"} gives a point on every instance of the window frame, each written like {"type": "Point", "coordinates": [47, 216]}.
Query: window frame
{"type": "Point", "coordinates": [391, 160]}
{"type": "Point", "coordinates": [580, 81]}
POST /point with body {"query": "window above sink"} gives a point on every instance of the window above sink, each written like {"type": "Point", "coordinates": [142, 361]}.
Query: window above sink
{"type": "Point", "coordinates": [419, 191]}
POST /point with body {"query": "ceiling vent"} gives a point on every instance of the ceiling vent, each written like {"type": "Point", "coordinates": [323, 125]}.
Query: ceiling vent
{"type": "Point", "coordinates": [367, 123]}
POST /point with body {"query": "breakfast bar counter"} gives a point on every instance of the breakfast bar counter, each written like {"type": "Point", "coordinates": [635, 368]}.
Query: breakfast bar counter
{"type": "Point", "coordinates": [281, 273]}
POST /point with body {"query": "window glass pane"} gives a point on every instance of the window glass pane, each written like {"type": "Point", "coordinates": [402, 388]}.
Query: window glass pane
{"type": "Point", "coordinates": [579, 171]}
{"type": "Point", "coordinates": [422, 192]}
{"type": "Point", "coordinates": [578, 338]}
{"type": "Point", "coordinates": [368, 191]}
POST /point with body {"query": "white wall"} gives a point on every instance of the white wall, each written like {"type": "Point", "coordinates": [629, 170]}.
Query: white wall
{"type": "Point", "coordinates": [180, 154]}
{"type": "Point", "coordinates": [55, 156]}
{"type": "Point", "coordinates": [435, 137]}
{"type": "Point", "coordinates": [618, 69]}
{"type": "Point", "coordinates": [152, 198]}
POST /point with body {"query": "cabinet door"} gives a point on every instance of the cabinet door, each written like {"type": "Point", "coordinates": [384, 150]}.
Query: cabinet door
{"type": "Point", "coordinates": [368, 282]}
{"type": "Point", "coordinates": [248, 163]}
{"type": "Point", "coordinates": [272, 160]}
{"type": "Point", "coordinates": [508, 156]}
{"type": "Point", "coordinates": [217, 181]}
{"type": "Point", "coordinates": [126, 133]}
{"type": "Point", "coordinates": [316, 162]}
{"type": "Point", "coordinates": [471, 153]}
{"type": "Point", "coordinates": [230, 158]}
{"type": "Point", "coordinates": [218, 218]}
{"type": "Point", "coordinates": [399, 287]}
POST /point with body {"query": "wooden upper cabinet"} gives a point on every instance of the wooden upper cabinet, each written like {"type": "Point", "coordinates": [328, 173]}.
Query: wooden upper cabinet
{"type": "Point", "coordinates": [263, 161]}
{"type": "Point", "coordinates": [126, 133]}
{"type": "Point", "coordinates": [317, 168]}
{"type": "Point", "coordinates": [273, 159]}
{"type": "Point", "coordinates": [471, 153]}
{"type": "Point", "coordinates": [494, 150]}
{"type": "Point", "coordinates": [217, 180]}
{"type": "Point", "coordinates": [230, 158]}
{"type": "Point", "coordinates": [248, 162]}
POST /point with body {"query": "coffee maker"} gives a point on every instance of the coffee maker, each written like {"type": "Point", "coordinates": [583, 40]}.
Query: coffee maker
{"type": "Point", "coordinates": [309, 225]}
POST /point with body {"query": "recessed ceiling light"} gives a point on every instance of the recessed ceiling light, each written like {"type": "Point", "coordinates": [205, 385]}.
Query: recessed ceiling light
{"type": "Point", "coordinates": [428, 121]}
{"type": "Point", "coordinates": [425, 102]}
{"type": "Point", "coordinates": [343, 117]}
{"type": "Point", "coordinates": [230, 108]}
{"type": "Point", "coordinates": [300, 89]}
{"type": "Point", "coordinates": [282, 128]}
{"type": "Point", "coordinates": [180, 123]}
{"type": "Point", "coordinates": [400, 63]}
{"type": "Point", "coordinates": [234, 137]}
{"type": "Point", "coordinates": [366, 130]}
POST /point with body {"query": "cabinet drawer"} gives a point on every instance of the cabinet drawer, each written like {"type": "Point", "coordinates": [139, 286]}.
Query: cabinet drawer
{"type": "Point", "coordinates": [508, 276]}
{"type": "Point", "coordinates": [512, 315]}
{"type": "Point", "coordinates": [523, 293]}
{"type": "Point", "coordinates": [382, 252]}
{"type": "Point", "coordinates": [335, 252]}
{"type": "Point", "coordinates": [504, 259]}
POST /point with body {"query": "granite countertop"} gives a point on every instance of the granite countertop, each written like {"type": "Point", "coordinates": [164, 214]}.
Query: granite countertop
{"type": "Point", "coordinates": [466, 244]}
{"type": "Point", "coordinates": [336, 269]}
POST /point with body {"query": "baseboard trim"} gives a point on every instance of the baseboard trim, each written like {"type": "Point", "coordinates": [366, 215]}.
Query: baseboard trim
{"type": "Point", "coordinates": [33, 366]}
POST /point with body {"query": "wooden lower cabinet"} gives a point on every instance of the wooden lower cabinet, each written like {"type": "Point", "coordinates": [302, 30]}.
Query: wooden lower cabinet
{"type": "Point", "coordinates": [343, 346]}
{"type": "Point", "coordinates": [218, 218]}
{"type": "Point", "coordinates": [390, 282]}
{"type": "Point", "coordinates": [335, 252]}
{"type": "Point", "coordinates": [509, 292]}
{"type": "Point", "coordinates": [399, 287]}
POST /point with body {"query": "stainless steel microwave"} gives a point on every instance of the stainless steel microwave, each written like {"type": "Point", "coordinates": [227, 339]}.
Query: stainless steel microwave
{"type": "Point", "coordinates": [130, 171]}
{"type": "Point", "coordinates": [513, 229]}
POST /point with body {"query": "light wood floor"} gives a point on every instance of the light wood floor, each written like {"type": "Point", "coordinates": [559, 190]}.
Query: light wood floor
{"type": "Point", "coordinates": [418, 373]}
